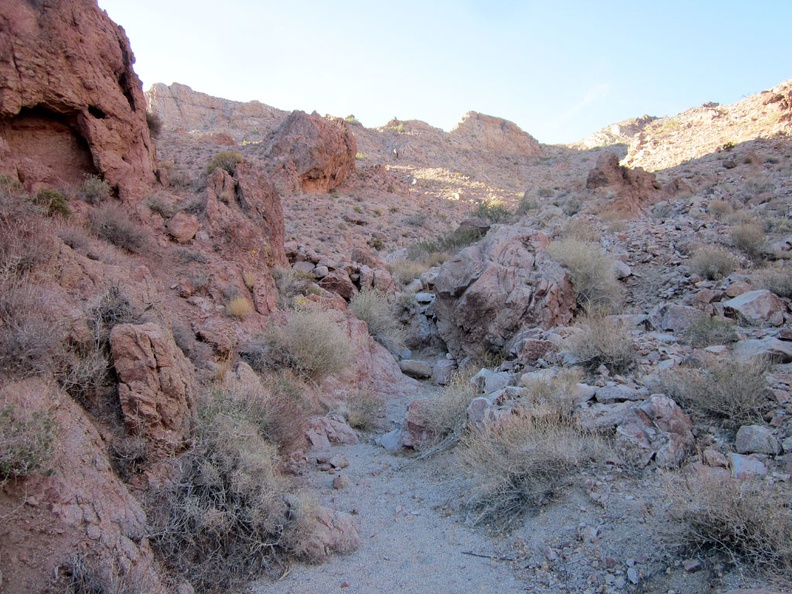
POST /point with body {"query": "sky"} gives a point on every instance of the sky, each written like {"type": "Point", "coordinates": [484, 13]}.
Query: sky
{"type": "Point", "coordinates": [559, 69]}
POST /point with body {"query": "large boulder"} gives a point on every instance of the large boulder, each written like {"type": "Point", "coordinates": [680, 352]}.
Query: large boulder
{"type": "Point", "coordinates": [70, 102]}
{"type": "Point", "coordinates": [757, 307]}
{"type": "Point", "coordinates": [155, 385]}
{"type": "Point", "coordinates": [492, 290]}
{"type": "Point", "coordinates": [632, 190]}
{"type": "Point", "coordinates": [311, 153]}
{"type": "Point", "coordinates": [73, 506]}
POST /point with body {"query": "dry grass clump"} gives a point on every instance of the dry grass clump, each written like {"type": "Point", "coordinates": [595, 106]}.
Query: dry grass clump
{"type": "Point", "coordinates": [593, 276]}
{"type": "Point", "coordinates": [227, 160]}
{"type": "Point", "coordinates": [734, 392]}
{"type": "Point", "coordinates": [518, 465]}
{"type": "Point", "coordinates": [428, 250]}
{"type": "Point", "coordinates": [310, 342]}
{"type": "Point", "coordinates": [372, 307]}
{"type": "Point", "coordinates": [112, 223]}
{"type": "Point", "coordinates": [706, 331]}
{"type": "Point", "coordinates": [712, 263]}
{"type": "Point", "coordinates": [746, 521]}
{"type": "Point", "coordinates": [494, 211]}
{"type": "Point", "coordinates": [229, 515]}
{"type": "Point", "coordinates": [362, 410]}
{"type": "Point", "coordinates": [778, 280]}
{"type": "Point", "coordinates": [406, 271]}
{"type": "Point", "coordinates": [26, 244]}
{"type": "Point", "coordinates": [27, 441]}
{"type": "Point", "coordinates": [447, 418]}
{"type": "Point", "coordinates": [720, 208]}
{"type": "Point", "coordinates": [292, 284]}
{"type": "Point", "coordinates": [603, 340]}
{"type": "Point", "coordinates": [239, 307]}
{"type": "Point", "coordinates": [95, 189]}
{"type": "Point", "coordinates": [749, 238]}
{"type": "Point", "coordinates": [550, 396]}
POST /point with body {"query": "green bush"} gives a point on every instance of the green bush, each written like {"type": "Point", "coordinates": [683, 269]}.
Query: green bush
{"type": "Point", "coordinates": [227, 160]}
{"type": "Point", "coordinates": [448, 243]}
{"type": "Point", "coordinates": [53, 202]}
{"type": "Point", "coordinates": [27, 441]}
{"type": "Point", "coordinates": [495, 212]}
{"type": "Point", "coordinates": [95, 189]}
{"type": "Point", "coordinates": [593, 275]}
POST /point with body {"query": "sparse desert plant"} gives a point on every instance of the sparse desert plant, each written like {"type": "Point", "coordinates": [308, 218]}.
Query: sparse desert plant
{"type": "Point", "coordinates": [446, 418]}
{"type": "Point", "coordinates": [706, 331]}
{"type": "Point", "coordinates": [292, 283]}
{"type": "Point", "coordinates": [227, 160]}
{"type": "Point", "coordinates": [720, 208]}
{"type": "Point", "coordinates": [310, 342]}
{"type": "Point", "coordinates": [526, 205]}
{"type": "Point", "coordinates": [494, 211]}
{"type": "Point", "coordinates": [712, 262]}
{"type": "Point", "coordinates": [778, 280]}
{"type": "Point", "coordinates": [405, 271]}
{"type": "Point", "coordinates": [603, 340]}
{"type": "Point", "coordinates": [593, 276]}
{"type": "Point", "coordinates": [581, 230]}
{"type": "Point", "coordinates": [53, 203]}
{"type": "Point", "coordinates": [372, 307]}
{"type": "Point", "coordinates": [239, 307]}
{"type": "Point", "coordinates": [27, 441]}
{"type": "Point", "coordinates": [111, 223]}
{"type": "Point", "coordinates": [26, 242]}
{"type": "Point", "coordinates": [95, 189]}
{"type": "Point", "coordinates": [362, 409]}
{"type": "Point", "coordinates": [445, 244]}
{"type": "Point", "coordinates": [518, 464]}
{"type": "Point", "coordinates": [552, 396]}
{"type": "Point", "coordinates": [733, 392]}
{"type": "Point", "coordinates": [748, 522]}
{"type": "Point", "coordinates": [750, 238]}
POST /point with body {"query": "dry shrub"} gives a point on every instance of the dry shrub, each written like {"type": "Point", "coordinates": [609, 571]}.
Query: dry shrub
{"type": "Point", "coordinates": [239, 307]}
{"type": "Point", "coordinates": [581, 230]}
{"type": "Point", "coordinates": [712, 263]}
{"type": "Point", "coordinates": [27, 441]}
{"type": "Point", "coordinates": [427, 250]}
{"type": "Point", "coordinates": [84, 574]}
{"type": "Point", "coordinates": [750, 238]}
{"type": "Point", "coordinates": [550, 395]}
{"type": "Point", "coordinates": [516, 466]}
{"type": "Point", "coordinates": [227, 160]}
{"type": "Point", "coordinates": [747, 521]}
{"type": "Point", "coordinates": [291, 284]}
{"type": "Point", "coordinates": [311, 343]}
{"type": "Point", "coordinates": [372, 307]}
{"type": "Point", "coordinates": [706, 331]}
{"type": "Point", "coordinates": [778, 280]}
{"type": "Point", "coordinates": [593, 276]}
{"type": "Point", "coordinates": [734, 392]}
{"type": "Point", "coordinates": [603, 340]}
{"type": "Point", "coordinates": [26, 243]}
{"type": "Point", "coordinates": [228, 517]}
{"type": "Point", "coordinates": [447, 418]}
{"type": "Point", "coordinates": [719, 208]}
{"type": "Point", "coordinates": [112, 223]}
{"type": "Point", "coordinates": [406, 271]}
{"type": "Point", "coordinates": [362, 410]}
{"type": "Point", "coordinates": [95, 189]}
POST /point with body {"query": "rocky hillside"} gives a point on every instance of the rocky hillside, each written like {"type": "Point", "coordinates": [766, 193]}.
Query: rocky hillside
{"type": "Point", "coordinates": [203, 304]}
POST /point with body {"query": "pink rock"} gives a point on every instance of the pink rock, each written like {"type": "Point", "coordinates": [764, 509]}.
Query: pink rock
{"type": "Point", "coordinates": [758, 307]}
{"type": "Point", "coordinates": [183, 227]}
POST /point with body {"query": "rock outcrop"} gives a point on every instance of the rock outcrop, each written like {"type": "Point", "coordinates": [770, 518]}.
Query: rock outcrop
{"type": "Point", "coordinates": [70, 102]}
{"type": "Point", "coordinates": [494, 135]}
{"type": "Point", "coordinates": [491, 291]}
{"type": "Point", "coordinates": [634, 190]}
{"type": "Point", "coordinates": [310, 153]}
{"type": "Point", "coordinates": [155, 386]}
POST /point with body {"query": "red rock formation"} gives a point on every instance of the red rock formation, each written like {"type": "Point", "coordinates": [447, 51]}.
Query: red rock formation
{"type": "Point", "coordinates": [481, 132]}
{"type": "Point", "coordinates": [635, 189]}
{"type": "Point", "coordinates": [312, 153]}
{"type": "Point", "coordinates": [70, 102]}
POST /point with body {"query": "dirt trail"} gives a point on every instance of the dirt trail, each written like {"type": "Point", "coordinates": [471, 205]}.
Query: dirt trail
{"type": "Point", "coordinates": [412, 539]}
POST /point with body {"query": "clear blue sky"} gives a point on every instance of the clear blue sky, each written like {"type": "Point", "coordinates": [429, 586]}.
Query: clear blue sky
{"type": "Point", "coordinates": [559, 69]}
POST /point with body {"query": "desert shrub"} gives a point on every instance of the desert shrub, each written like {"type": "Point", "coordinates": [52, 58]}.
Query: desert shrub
{"type": "Point", "coordinates": [719, 208]}
{"type": "Point", "coordinates": [405, 271]}
{"type": "Point", "coordinates": [239, 307]}
{"type": "Point", "coordinates": [27, 441]}
{"type": "Point", "coordinates": [372, 307]}
{"type": "Point", "coordinates": [362, 409]}
{"type": "Point", "coordinates": [495, 212]}
{"type": "Point", "coordinates": [746, 521]}
{"type": "Point", "coordinates": [292, 283]}
{"type": "Point", "coordinates": [552, 396]}
{"type": "Point", "coordinates": [95, 189]}
{"type": "Point", "coordinates": [603, 340]}
{"type": "Point", "coordinates": [593, 276]}
{"type": "Point", "coordinates": [517, 465]}
{"type": "Point", "coordinates": [446, 418]}
{"type": "Point", "coordinates": [712, 263]}
{"type": "Point", "coordinates": [777, 280]}
{"type": "Point", "coordinates": [29, 334]}
{"type": "Point", "coordinates": [733, 392]}
{"type": "Point", "coordinates": [227, 160]}
{"type": "Point", "coordinates": [111, 223]}
{"type": "Point", "coordinates": [750, 238]}
{"type": "Point", "coordinates": [310, 342]}
{"type": "Point", "coordinates": [706, 331]}
{"type": "Point", "coordinates": [450, 242]}
{"type": "Point", "coordinates": [53, 203]}
{"type": "Point", "coordinates": [154, 124]}
{"type": "Point", "coordinates": [26, 243]}
{"type": "Point", "coordinates": [526, 205]}
{"type": "Point", "coordinates": [582, 230]}
{"type": "Point", "coordinates": [229, 515]}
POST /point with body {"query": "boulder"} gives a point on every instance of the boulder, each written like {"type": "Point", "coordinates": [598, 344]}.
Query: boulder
{"type": "Point", "coordinates": [324, 431]}
{"type": "Point", "coordinates": [443, 371]}
{"type": "Point", "coordinates": [755, 439]}
{"type": "Point", "coordinates": [674, 317]}
{"type": "Point", "coordinates": [657, 429]}
{"type": "Point", "coordinates": [155, 385]}
{"type": "Point", "coordinates": [70, 101]}
{"type": "Point", "coordinates": [746, 467]}
{"type": "Point", "coordinates": [311, 154]}
{"type": "Point", "coordinates": [611, 394]}
{"type": "Point", "coordinates": [338, 281]}
{"type": "Point", "coordinates": [757, 307]}
{"type": "Point", "coordinates": [415, 368]}
{"type": "Point", "coordinates": [769, 348]}
{"type": "Point", "coordinates": [329, 532]}
{"type": "Point", "coordinates": [415, 430]}
{"type": "Point", "coordinates": [182, 227]}
{"type": "Point", "coordinates": [634, 190]}
{"type": "Point", "coordinates": [492, 290]}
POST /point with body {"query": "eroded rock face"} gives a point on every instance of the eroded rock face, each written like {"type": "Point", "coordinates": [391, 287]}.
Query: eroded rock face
{"type": "Point", "coordinates": [491, 291]}
{"type": "Point", "coordinates": [73, 504]}
{"type": "Point", "coordinates": [494, 135]}
{"type": "Point", "coordinates": [155, 385]}
{"type": "Point", "coordinates": [70, 102]}
{"type": "Point", "coordinates": [634, 189]}
{"type": "Point", "coordinates": [311, 153]}
{"type": "Point", "coordinates": [657, 429]}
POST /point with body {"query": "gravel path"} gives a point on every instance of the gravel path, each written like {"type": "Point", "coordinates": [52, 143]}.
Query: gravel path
{"type": "Point", "coordinates": [411, 541]}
